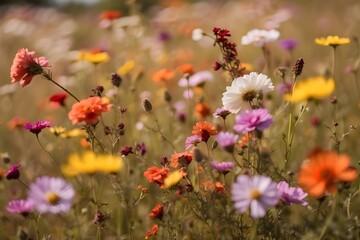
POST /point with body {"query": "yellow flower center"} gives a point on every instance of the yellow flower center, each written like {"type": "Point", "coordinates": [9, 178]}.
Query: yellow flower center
{"type": "Point", "coordinates": [255, 194]}
{"type": "Point", "coordinates": [52, 198]}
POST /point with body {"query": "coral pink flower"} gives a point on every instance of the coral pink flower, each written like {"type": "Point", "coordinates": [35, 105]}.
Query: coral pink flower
{"type": "Point", "coordinates": [156, 175]}
{"type": "Point", "coordinates": [88, 110]}
{"type": "Point", "coordinates": [25, 66]}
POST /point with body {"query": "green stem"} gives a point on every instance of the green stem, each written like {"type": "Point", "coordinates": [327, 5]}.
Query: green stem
{"type": "Point", "coordinates": [48, 77]}
{"type": "Point", "coordinates": [54, 160]}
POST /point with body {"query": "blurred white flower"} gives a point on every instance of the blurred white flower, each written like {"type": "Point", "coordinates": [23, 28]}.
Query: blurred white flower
{"type": "Point", "coordinates": [196, 79]}
{"type": "Point", "coordinates": [260, 37]}
{"type": "Point", "coordinates": [197, 34]}
{"type": "Point", "coordinates": [244, 89]}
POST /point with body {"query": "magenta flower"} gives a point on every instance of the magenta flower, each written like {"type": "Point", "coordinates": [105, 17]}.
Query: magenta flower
{"type": "Point", "coordinates": [37, 126]}
{"type": "Point", "coordinates": [291, 195]}
{"type": "Point", "coordinates": [250, 120]}
{"type": "Point", "coordinates": [220, 112]}
{"type": "Point", "coordinates": [285, 87]}
{"type": "Point", "coordinates": [224, 167]}
{"type": "Point", "coordinates": [53, 195]}
{"type": "Point", "coordinates": [21, 206]}
{"type": "Point", "coordinates": [256, 193]}
{"type": "Point", "coordinates": [126, 151]}
{"type": "Point", "coordinates": [288, 44]}
{"type": "Point", "coordinates": [227, 140]}
{"type": "Point", "coordinates": [13, 172]}
{"type": "Point", "coordinates": [192, 141]}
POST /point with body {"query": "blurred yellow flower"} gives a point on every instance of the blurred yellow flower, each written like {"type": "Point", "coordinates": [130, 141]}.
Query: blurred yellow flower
{"type": "Point", "coordinates": [94, 56]}
{"type": "Point", "coordinates": [311, 88]}
{"type": "Point", "coordinates": [173, 179]}
{"type": "Point", "coordinates": [332, 41]}
{"type": "Point", "coordinates": [126, 67]}
{"type": "Point", "coordinates": [90, 163]}
{"type": "Point", "coordinates": [57, 131]}
{"type": "Point", "coordinates": [76, 132]}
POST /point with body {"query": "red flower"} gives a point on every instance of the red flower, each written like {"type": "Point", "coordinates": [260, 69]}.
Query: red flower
{"type": "Point", "coordinates": [184, 158]}
{"type": "Point", "coordinates": [157, 211]}
{"type": "Point", "coordinates": [25, 66]}
{"type": "Point", "coordinates": [58, 98]}
{"type": "Point", "coordinates": [156, 175]}
{"type": "Point", "coordinates": [152, 232]}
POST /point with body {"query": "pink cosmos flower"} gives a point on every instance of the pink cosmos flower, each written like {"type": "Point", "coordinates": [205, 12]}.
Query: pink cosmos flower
{"type": "Point", "coordinates": [51, 194]}
{"type": "Point", "coordinates": [13, 172]}
{"type": "Point", "coordinates": [291, 195]}
{"type": "Point", "coordinates": [250, 120]}
{"type": "Point", "coordinates": [257, 193]}
{"type": "Point", "coordinates": [22, 206]}
{"type": "Point", "coordinates": [222, 166]}
{"type": "Point", "coordinates": [25, 66]}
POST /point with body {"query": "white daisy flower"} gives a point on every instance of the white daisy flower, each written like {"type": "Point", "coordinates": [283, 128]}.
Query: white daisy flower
{"type": "Point", "coordinates": [244, 89]}
{"type": "Point", "coordinates": [197, 34]}
{"type": "Point", "coordinates": [260, 37]}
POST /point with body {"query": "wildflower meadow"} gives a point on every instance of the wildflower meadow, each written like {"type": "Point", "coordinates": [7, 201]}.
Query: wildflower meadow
{"type": "Point", "coordinates": [180, 120]}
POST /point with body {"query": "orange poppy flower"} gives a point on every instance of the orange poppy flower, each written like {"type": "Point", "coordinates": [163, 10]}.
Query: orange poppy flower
{"type": "Point", "coordinates": [157, 211]}
{"type": "Point", "coordinates": [323, 170]}
{"type": "Point", "coordinates": [156, 175]}
{"type": "Point", "coordinates": [163, 75]}
{"type": "Point", "coordinates": [88, 110]}
{"type": "Point", "coordinates": [202, 110]}
{"type": "Point", "coordinates": [204, 129]}
{"type": "Point", "coordinates": [186, 68]}
{"type": "Point", "coordinates": [183, 158]}
{"type": "Point", "coordinates": [152, 232]}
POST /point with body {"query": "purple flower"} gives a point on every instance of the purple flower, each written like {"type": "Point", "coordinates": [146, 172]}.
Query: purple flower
{"type": "Point", "coordinates": [222, 166]}
{"type": "Point", "coordinates": [291, 195]}
{"type": "Point", "coordinates": [126, 151]}
{"type": "Point", "coordinates": [192, 140]}
{"type": "Point", "coordinates": [284, 87]}
{"type": "Point", "coordinates": [37, 126]}
{"type": "Point", "coordinates": [164, 36]}
{"type": "Point", "coordinates": [52, 195]}
{"type": "Point", "coordinates": [227, 140]}
{"type": "Point", "coordinates": [288, 44]}
{"type": "Point", "coordinates": [196, 79]}
{"type": "Point", "coordinates": [22, 206]}
{"type": "Point", "coordinates": [257, 193]}
{"type": "Point", "coordinates": [141, 148]}
{"type": "Point", "coordinates": [220, 112]}
{"type": "Point", "coordinates": [251, 119]}
{"type": "Point", "coordinates": [13, 172]}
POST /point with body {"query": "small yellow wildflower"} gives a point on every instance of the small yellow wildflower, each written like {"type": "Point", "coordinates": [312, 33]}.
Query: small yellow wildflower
{"type": "Point", "coordinates": [312, 88]}
{"type": "Point", "coordinates": [95, 56]}
{"type": "Point", "coordinates": [90, 163]}
{"type": "Point", "coordinates": [57, 131]}
{"type": "Point", "coordinates": [173, 179]}
{"type": "Point", "coordinates": [76, 132]}
{"type": "Point", "coordinates": [332, 41]}
{"type": "Point", "coordinates": [126, 67]}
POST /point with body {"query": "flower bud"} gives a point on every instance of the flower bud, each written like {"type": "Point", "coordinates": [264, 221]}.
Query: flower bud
{"type": "Point", "coordinates": [298, 67]}
{"type": "Point", "coordinates": [147, 105]}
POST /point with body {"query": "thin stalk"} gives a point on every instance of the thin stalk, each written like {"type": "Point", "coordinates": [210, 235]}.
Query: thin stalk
{"type": "Point", "coordinates": [54, 160]}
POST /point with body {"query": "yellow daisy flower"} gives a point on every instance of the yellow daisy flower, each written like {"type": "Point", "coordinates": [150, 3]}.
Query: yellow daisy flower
{"type": "Point", "coordinates": [57, 131]}
{"type": "Point", "coordinates": [126, 67]}
{"type": "Point", "coordinates": [76, 132]}
{"type": "Point", "coordinates": [332, 41]}
{"type": "Point", "coordinates": [95, 56]}
{"type": "Point", "coordinates": [173, 179]}
{"type": "Point", "coordinates": [90, 163]}
{"type": "Point", "coordinates": [311, 88]}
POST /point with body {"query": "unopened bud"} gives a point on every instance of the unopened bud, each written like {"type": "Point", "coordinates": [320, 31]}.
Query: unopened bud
{"type": "Point", "coordinates": [116, 79]}
{"type": "Point", "coordinates": [298, 67]}
{"type": "Point", "coordinates": [167, 96]}
{"type": "Point", "coordinates": [198, 156]}
{"type": "Point", "coordinates": [216, 66]}
{"type": "Point", "coordinates": [147, 105]}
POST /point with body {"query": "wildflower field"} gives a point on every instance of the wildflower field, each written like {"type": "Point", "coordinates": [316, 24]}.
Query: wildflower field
{"type": "Point", "coordinates": [181, 120]}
